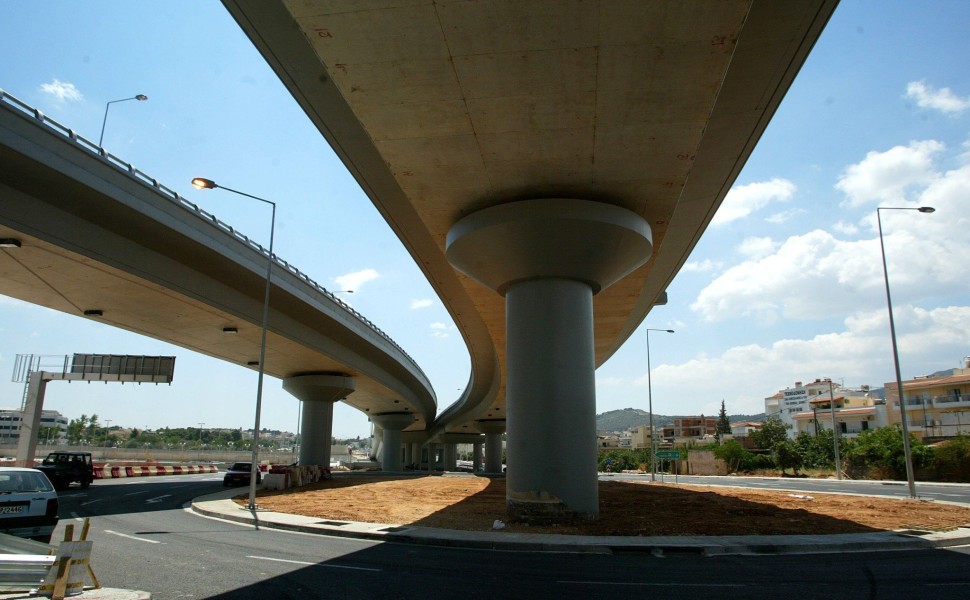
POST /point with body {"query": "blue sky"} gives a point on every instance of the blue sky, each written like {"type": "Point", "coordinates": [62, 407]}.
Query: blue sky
{"type": "Point", "coordinates": [786, 285]}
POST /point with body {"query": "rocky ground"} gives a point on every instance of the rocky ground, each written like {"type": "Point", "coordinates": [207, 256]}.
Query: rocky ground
{"type": "Point", "coordinates": [636, 509]}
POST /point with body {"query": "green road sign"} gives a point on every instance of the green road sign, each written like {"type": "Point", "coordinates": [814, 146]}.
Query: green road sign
{"type": "Point", "coordinates": [668, 454]}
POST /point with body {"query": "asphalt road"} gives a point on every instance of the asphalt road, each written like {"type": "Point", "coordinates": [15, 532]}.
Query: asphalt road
{"type": "Point", "coordinates": [929, 491]}
{"type": "Point", "coordinates": [145, 539]}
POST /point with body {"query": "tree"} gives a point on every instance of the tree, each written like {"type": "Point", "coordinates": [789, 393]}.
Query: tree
{"type": "Point", "coordinates": [723, 424]}
{"type": "Point", "coordinates": [818, 451]}
{"type": "Point", "coordinates": [733, 455]}
{"type": "Point", "coordinates": [880, 453]}
{"type": "Point", "coordinates": [952, 459]}
{"type": "Point", "coordinates": [772, 431]}
{"type": "Point", "coordinates": [787, 456]}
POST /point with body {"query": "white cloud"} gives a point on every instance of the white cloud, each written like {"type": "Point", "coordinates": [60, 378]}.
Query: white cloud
{"type": "Point", "coordinates": [743, 200]}
{"type": "Point", "coordinates": [422, 303]}
{"type": "Point", "coordinates": [698, 266]}
{"type": "Point", "coordinates": [859, 354]}
{"type": "Point", "coordinates": [817, 275]}
{"type": "Point", "coordinates": [845, 228]}
{"type": "Point", "coordinates": [886, 176]}
{"type": "Point", "coordinates": [943, 99]}
{"type": "Point", "coordinates": [785, 216]}
{"type": "Point", "coordinates": [757, 247]}
{"type": "Point", "coordinates": [354, 281]}
{"type": "Point", "coordinates": [62, 91]}
{"type": "Point", "coordinates": [441, 330]}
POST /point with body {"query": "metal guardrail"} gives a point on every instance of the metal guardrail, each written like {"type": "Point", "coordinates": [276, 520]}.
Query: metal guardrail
{"type": "Point", "coordinates": [23, 563]}
{"type": "Point", "coordinates": [125, 167]}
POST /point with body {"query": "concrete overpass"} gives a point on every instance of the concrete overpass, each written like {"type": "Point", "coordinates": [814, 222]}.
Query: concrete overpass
{"type": "Point", "coordinates": [90, 235]}
{"type": "Point", "coordinates": [532, 155]}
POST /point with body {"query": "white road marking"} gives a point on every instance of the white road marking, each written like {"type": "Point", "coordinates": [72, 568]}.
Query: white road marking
{"type": "Point", "coordinates": [311, 564]}
{"type": "Point", "coordinates": [132, 537]}
{"type": "Point", "coordinates": [156, 499]}
{"type": "Point", "coordinates": [90, 502]}
{"type": "Point", "coordinates": [146, 491]}
{"type": "Point", "coordinates": [678, 584]}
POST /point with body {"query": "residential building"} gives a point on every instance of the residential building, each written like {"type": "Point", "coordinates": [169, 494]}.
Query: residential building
{"type": "Point", "coordinates": [794, 400]}
{"type": "Point", "coordinates": [854, 411]}
{"type": "Point", "coordinates": [937, 406]}
{"type": "Point", "coordinates": [684, 429]}
{"type": "Point", "coordinates": [741, 432]}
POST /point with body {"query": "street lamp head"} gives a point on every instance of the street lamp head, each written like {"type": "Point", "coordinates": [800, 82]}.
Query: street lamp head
{"type": "Point", "coordinates": [926, 209]}
{"type": "Point", "coordinates": [669, 330]}
{"type": "Point", "coordinates": [201, 183]}
{"type": "Point", "coordinates": [141, 97]}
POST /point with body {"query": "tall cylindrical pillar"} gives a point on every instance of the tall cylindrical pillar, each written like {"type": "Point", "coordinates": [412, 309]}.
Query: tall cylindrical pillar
{"type": "Point", "coordinates": [476, 457]}
{"type": "Point", "coordinates": [391, 452]}
{"type": "Point", "coordinates": [318, 394]}
{"type": "Point", "coordinates": [551, 391]}
{"type": "Point", "coordinates": [548, 257]}
{"type": "Point", "coordinates": [451, 456]}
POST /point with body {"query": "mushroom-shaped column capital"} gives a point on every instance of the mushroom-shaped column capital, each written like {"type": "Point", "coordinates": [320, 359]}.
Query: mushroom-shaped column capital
{"type": "Point", "coordinates": [320, 387]}
{"type": "Point", "coordinates": [393, 421]}
{"type": "Point", "coordinates": [491, 426]}
{"type": "Point", "coordinates": [559, 238]}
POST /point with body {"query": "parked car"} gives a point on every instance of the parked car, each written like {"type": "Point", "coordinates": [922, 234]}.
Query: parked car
{"type": "Point", "coordinates": [28, 504]}
{"type": "Point", "coordinates": [64, 468]}
{"type": "Point", "coordinates": [240, 473]}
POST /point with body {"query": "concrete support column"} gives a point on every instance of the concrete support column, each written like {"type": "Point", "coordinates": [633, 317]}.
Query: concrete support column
{"type": "Point", "coordinates": [551, 392]}
{"type": "Point", "coordinates": [476, 457]}
{"type": "Point", "coordinates": [318, 394]}
{"type": "Point", "coordinates": [548, 257]}
{"type": "Point", "coordinates": [493, 430]}
{"type": "Point", "coordinates": [30, 423]}
{"type": "Point", "coordinates": [408, 457]}
{"type": "Point", "coordinates": [432, 457]}
{"type": "Point", "coordinates": [416, 454]}
{"type": "Point", "coordinates": [451, 457]}
{"type": "Point", "coordinates": [392, 424]}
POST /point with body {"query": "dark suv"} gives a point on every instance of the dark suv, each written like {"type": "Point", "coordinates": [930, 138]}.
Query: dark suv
{"type": "Point", "coordinates": [64, 468]}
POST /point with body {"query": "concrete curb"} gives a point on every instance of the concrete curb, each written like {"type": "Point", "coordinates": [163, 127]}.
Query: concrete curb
{"type": "Point", "coordinates": [221, 506]}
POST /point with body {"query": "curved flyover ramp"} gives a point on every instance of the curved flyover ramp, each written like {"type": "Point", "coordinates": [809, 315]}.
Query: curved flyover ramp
{"type": "Point", "coordinates": [96, 234]}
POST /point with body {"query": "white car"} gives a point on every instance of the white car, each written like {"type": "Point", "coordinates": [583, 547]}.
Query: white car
{"type": "Point", "coordinates": [28, 504]}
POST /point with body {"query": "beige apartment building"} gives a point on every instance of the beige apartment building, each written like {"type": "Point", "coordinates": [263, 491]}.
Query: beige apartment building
{"type": "Point", "coordinates": [854, 412]}
{"type": "Point", "coordinates": [937, 406]}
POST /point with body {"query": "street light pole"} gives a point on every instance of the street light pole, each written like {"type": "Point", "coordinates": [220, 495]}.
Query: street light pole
{"type": "Point", "coordinates": [653, 437]}
{"type": "Point", "coordinates": [106, 434]}
{"type": "Point", "coordinates": [139, 97]}
{"type": "Point", "coordinates": [200, 440]}
{"type": "Point", "coordinates": [201, 183]}
{"type": "Point", "coordinates": [907, 452]}
{"type": "Point", "coordinates": [835, 433]}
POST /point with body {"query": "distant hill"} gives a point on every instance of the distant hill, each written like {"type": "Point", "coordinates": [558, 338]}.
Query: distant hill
{"type": "Point", "coordinates": [631, 418]}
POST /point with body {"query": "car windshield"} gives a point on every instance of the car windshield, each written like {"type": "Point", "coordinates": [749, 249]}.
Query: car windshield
{"type": "Point", "coordinates": [24, 481]}
{"type": "Point", "coordinates": [53, 459]}
{"type": "Point", "coordinates": [241, 467]}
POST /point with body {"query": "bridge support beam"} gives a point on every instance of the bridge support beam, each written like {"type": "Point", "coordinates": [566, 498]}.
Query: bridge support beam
{"type": "Point", "coordinates": [30, 423]}
{"type": "Point", "coordinates": [493, 430]}
{"type": "Point", "coordinates": [476, 457]}
{"type": "Point", "coordinates": [451, 456]}
{"type": "Point", "coordinates": [549, 257]}
{"type": "Point", "coordinates": [318, 394]}
{"type": "Point", "coordinates": [392, 424]}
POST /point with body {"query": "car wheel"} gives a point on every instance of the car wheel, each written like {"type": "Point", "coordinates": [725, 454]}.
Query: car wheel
{"type": "Point", "coordinates": [85, 483]}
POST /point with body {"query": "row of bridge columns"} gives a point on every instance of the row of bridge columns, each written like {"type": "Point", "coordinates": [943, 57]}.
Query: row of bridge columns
{"type": "Point", "coordinates": [319, 392]}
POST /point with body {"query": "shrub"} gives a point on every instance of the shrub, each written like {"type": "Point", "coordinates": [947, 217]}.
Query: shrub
{"type": "Point", "coordinates": [952, 459]}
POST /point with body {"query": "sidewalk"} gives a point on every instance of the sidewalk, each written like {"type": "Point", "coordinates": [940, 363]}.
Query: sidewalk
{"type": "Point", "coordinates": [220, 505]}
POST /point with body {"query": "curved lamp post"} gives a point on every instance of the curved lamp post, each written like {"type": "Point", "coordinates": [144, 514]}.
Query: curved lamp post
{"type": "Point", "coordinates": [910, 480]}
{"type": "Point", "coordinates": [139, 97]}
{"type": "Point", "coordinates": [653, 437]}
{"type": "Point", "coordinates": [201, 183]}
